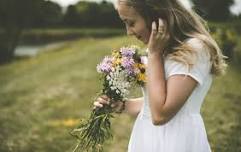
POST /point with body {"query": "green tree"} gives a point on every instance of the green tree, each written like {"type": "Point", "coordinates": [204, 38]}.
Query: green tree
{"type": "Point", "coordinates": [108, 16]}
{"type": "Point", "coordinates": [92, 14]}
{"type": "Point", "coordinates": [15, 15]}
{"type": "Point", "coordinates": [71, 17]}
{"type": "Point", "coordinates": [49, 15]}
{"type": "Point", "coordinates": [216, 10]}
{"type": "Point", "coordinates": [88, 13]}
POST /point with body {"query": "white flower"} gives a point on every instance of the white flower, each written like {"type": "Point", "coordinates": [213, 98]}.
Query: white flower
{"type": "Point", "coordinates": [108, 77]}
{"type": "Point", "coordinates": [118, 81]}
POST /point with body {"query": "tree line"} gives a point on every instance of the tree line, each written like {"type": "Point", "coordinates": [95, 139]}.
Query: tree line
{"type": "Point", "coordinates": [16, 15]}
{"type": "Point", "coordinates": [42, 13]}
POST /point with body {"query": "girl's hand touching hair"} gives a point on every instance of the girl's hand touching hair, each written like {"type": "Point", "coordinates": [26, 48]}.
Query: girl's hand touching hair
{"type": "Point", "coordinates": [159, 37]}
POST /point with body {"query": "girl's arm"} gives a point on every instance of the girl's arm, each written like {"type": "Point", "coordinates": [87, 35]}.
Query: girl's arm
{"type": "Point", "coordinates": [133, 106]}
{"type": "Point", "coordinates": [166, 97]}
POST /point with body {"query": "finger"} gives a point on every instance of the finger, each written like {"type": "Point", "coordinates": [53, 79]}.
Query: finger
{"type": "Point", "coordinates": [164, 25]}
{"type": "Point", "coordinates": [154, 28]}
{"type": "Point", "coordinates": [161, 26]}
{"type": "Point", "coordinates": [103, 101]}
{"type": "Point", "coordinates": [160, 22]}
{"type": "Point", "coordinates": [113, 105]}
{"type": "Point", "coordinates": [116, 104]}
{"type": "Point", "coordinates": [105, 97]}
{"type": "Point", "coordinates": [97, 104]}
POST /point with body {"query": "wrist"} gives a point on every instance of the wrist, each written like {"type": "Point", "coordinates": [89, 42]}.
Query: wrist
{"type": "Point", "coordinates": [155, 54]}
{"type": "Point", "coordinates": [122, 107]}
{"type": "Point", "coordinates": [152, 50]}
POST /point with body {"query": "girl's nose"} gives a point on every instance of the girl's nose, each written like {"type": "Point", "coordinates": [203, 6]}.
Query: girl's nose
{"type": "Point", "coordinates": [130, 31]}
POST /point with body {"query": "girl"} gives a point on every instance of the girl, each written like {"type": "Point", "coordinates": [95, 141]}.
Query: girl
{"type": "Point", "coordinates": [182, 59]}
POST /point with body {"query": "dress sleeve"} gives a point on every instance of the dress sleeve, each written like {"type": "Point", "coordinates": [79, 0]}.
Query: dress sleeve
{"type": "Point", "coordinates": [198, 71]}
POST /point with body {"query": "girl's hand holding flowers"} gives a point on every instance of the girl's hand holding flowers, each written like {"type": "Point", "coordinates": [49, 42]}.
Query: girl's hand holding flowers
{"type": "Point", "coordinates": [101, 101]}
{"type": "Point", "coordinates": [159, 38]}
{"type": "Point", "coordinates": [119, 71]}
{"type": "Point", "coordinates": [117, 106]}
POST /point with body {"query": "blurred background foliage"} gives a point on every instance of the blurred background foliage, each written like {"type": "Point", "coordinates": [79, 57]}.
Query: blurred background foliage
{"type": "Point", "coordinates": [214, 10]}
{"type": "Point", "coordinates": [48, 56]}
{"type": "Point", "coordinates": [18, 17]}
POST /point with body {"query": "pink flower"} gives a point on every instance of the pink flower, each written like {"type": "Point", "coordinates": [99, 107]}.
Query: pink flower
{"type": "Point", "coordinates": [105, 66]}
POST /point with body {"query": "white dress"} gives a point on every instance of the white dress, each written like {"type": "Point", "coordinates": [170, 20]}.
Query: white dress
{"type": "Point", "coordinates": [185, 132]}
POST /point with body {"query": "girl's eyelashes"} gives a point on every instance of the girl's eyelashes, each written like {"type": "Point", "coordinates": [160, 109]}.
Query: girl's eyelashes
{"type": "Point", "coordinates": [128, 23]}
{"type": "Point", "coordinates": [131, 24]}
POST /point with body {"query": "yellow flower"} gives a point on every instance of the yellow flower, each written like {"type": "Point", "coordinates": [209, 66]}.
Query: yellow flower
{"type": "Point", "coordinates": [115, 54]}
{"type": "Point", "coordinates": [136, 66]}
{"type": "Point", "coordinates": [141, 77]}
{"type": "Point", "coordinates": [117, 61]}
{"type": "Point", "coordinates": [141, 66]}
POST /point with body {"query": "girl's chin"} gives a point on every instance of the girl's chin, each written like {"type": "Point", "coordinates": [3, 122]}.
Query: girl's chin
{"type": "Point", "coordinates": [143, 40]}
{"type": "Point", "coordinates": [146, 41]}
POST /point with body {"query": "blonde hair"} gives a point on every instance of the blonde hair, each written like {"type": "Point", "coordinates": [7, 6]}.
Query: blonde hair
{"type": "Point", "coordinates": [182, 24]}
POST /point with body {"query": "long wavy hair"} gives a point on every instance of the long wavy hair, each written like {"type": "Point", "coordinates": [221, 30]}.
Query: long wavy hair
{"type": "Point", "coordinates": [181, 24]}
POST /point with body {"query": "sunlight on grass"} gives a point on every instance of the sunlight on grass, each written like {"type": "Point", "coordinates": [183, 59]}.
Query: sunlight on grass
{"type": "Point", "coordinates": [70, 122]}
{"type": "Point", "coordinates": [43, 98]}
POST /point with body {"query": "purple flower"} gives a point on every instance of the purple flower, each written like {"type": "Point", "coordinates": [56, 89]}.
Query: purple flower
{"type": "Point", "coordinates": [127, 52]}
{"type": "Point", "coordinates": [105, 66]}
{"type": "Point", "coordinates": [128, 64]}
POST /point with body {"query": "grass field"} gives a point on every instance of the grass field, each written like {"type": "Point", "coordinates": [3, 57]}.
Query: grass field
{"type": "Point", "coordinates": [42, 99]}
{"type": "Point", "coordinates": [36, 36]}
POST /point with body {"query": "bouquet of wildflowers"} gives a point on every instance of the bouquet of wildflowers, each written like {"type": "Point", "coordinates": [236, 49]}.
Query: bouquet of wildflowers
{"type": "Point", "coordinates": [119, 71]}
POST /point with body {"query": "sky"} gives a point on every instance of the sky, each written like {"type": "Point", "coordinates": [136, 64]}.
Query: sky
{"type": "Point", "coordinates": [236, 8]}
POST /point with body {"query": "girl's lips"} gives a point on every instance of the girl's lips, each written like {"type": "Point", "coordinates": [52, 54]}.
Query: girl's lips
{"type": "Point", "coordinates": [140, 38]}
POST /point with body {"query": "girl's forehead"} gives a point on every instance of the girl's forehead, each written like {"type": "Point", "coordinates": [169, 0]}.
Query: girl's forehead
{"type": "Point", "coordinates": [126, 11]}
